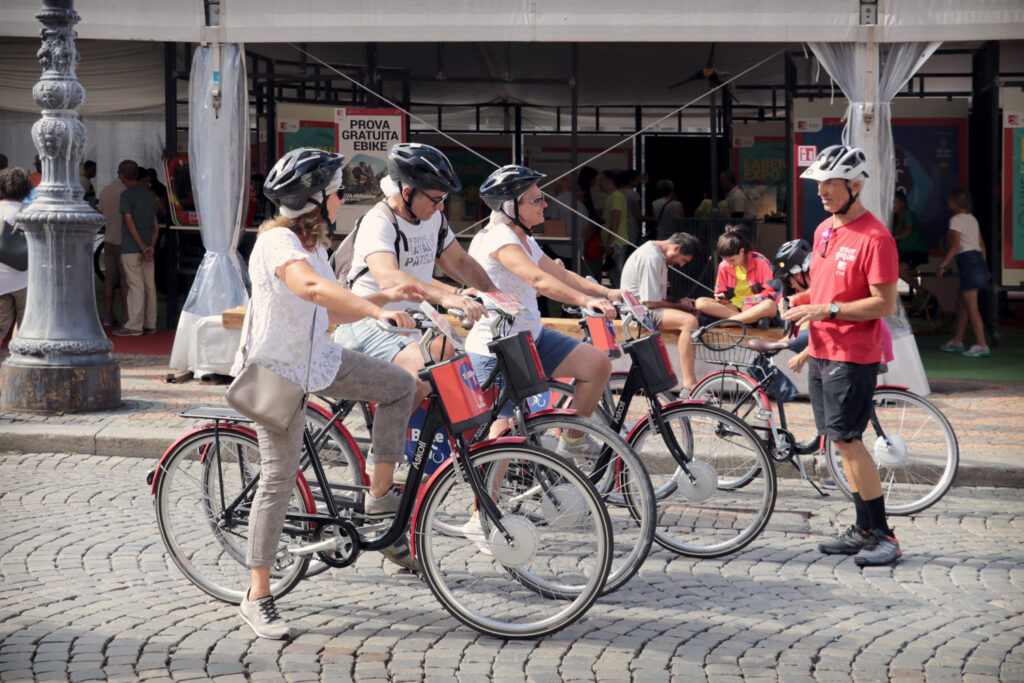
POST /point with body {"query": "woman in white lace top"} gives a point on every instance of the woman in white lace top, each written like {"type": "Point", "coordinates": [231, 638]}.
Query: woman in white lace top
{"type": "Point", "coordinates": [294, 298]}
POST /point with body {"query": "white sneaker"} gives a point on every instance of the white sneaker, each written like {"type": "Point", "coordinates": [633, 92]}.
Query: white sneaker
{"type": "Point", "coordinates": [401, 475]}
{"type": "Point", "coordinates": [474, 531]}
{"type": "Point", "coordinates": [261, 615]}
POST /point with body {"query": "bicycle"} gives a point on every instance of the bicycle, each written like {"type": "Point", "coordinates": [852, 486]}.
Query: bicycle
{"type": "Point", "coordinates": [914, 445]}
{"type": "Point", "coordinates": [550, 534]}
{"type": "Point", "coordinates": [688, 446]}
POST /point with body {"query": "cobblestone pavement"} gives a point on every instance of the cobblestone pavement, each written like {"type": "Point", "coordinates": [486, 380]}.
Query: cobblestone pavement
{"type": "Point", "coordinates": [87, 592]}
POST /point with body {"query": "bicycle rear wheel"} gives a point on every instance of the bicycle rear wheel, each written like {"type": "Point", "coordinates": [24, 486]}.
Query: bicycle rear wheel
{"type": "Point", "coordinates": [555, 568]}
{"type": "Point", "coordinates": [623, 483]}
{"type": "Point", "coordinates": [700, 518]}
{"type": "Point", "coordinates": [917, 454]}
{"type": "Point", "coordinates": [196, 483]}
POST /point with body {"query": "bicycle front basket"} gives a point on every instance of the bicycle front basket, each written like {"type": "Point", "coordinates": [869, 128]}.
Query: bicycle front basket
{"type": "Point", "coordinates": [650, 354]}
{"type": "Point", "coordinates": [464, 404]}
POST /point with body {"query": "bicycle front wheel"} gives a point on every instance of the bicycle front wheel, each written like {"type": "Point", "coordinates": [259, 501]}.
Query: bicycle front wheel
{"type": "Point", "coordinates": [196, 487]}
{"type": "Point", "coordinates": [698, 517]}
{"type": "Point", "coordinates": [555, 566]}
{"type": "Point", "coordinates": [916, 452]}
{"type": "Point", "coordinates": [620, 478]}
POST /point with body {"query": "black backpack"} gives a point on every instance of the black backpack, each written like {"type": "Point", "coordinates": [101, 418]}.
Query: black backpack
{"type": "Point", "coordinates": [343, 255]}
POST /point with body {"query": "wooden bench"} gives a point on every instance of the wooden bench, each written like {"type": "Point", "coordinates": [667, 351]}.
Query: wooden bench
{"type": "Point", "coordinates": [232, 319]}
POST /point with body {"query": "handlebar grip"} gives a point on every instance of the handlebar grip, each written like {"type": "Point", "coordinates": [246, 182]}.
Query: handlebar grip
{"type": "Point", "coordinates": [388, 327]}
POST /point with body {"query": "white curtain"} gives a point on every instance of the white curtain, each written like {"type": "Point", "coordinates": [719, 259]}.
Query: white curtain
{"type": "Point", "coordinates": [869, 126]}
{"type": "Point", "coordinates": [219, 165]}
{"type": "Point", "coordinates": [849, 65]}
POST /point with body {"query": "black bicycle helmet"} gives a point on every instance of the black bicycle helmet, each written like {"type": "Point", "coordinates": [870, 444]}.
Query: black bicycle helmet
{"type": "Point", "coordinates": [421, 167]}
{"type": "Point", "coordinates": [300, 175]}
{"type": "Point", "coordinates": [791, 257]}
{"type": "Point", "coordinates": [509, 183]}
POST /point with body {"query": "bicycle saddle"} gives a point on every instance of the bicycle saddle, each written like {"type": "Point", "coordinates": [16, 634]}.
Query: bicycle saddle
{"type": "Point", "coordinates": [767, 347]}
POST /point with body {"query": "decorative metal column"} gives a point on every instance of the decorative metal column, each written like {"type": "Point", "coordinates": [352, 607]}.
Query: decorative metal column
{"type": "Point", "coordinates": [60, 359]}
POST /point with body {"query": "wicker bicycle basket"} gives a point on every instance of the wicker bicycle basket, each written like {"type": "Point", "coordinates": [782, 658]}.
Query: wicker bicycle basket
{"type": "Point", "coordinates": [725, 346]}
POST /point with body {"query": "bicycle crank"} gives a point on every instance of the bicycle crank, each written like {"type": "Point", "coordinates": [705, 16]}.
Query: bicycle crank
{"type": "Point", "coordinates": [338, 545]}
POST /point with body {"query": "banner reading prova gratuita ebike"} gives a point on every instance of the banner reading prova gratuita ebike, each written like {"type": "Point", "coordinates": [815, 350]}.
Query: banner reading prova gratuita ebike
{"type": "Point", "coordinates": [364, 136]}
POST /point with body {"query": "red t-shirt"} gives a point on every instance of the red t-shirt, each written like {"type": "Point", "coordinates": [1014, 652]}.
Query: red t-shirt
{"type": "Point", "coordinates": [859, 254]}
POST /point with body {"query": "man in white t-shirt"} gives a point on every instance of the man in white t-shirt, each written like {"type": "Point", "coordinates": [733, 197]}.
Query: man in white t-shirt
{"type": "Point", "coordinates": [420, 179]}
{"type": "Point", "coordinates": [646, 275]}
{"type": "Point", "coordinates": [735, 198]}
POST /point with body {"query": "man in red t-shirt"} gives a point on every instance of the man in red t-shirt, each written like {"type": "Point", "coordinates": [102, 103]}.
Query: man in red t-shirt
{"type": "Point", "coordinates": [854, 270]}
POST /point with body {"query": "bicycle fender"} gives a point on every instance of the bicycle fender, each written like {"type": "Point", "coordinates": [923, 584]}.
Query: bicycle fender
{"type": "Point", "coordinates": [892, 386]}
{"type": "Point", "coordinates": [248, 431]}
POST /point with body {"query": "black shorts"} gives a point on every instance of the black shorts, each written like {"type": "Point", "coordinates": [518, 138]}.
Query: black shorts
{"type": "Point", "coordinates": [841, 397]}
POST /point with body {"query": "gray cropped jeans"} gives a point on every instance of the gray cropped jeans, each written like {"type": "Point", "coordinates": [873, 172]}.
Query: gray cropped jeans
{"type": "Point", "coordinates": [360, 377]}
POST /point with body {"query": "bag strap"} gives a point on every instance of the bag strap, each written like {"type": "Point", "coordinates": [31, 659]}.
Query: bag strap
{"type": "Point", "coordinates": [400, 239]}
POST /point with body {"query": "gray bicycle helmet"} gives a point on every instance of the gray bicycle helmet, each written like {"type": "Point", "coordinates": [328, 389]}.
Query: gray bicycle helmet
{"type": "Point", "coordinates": [301, 178]}
{"type": "Point", "coordinates": [509, 183]}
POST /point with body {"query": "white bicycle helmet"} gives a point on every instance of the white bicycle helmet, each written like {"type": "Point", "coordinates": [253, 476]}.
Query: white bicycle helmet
{"type": "Point", "coordinates": [838, 161]}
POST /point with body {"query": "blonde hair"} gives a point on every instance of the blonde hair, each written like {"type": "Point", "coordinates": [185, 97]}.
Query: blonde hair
{"type": "Point", "coordinates": [309, 227]}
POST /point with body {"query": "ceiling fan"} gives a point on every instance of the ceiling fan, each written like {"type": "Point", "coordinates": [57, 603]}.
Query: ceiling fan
{"type": "Point", "coordinates": [709, 73]}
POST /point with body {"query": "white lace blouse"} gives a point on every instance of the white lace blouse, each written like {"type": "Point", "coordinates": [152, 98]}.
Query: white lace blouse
{"type": "Point", "coordinates": [280, 320]}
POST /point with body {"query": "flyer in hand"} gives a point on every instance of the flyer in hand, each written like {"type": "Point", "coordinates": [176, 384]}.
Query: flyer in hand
{"type": "Point", "coordinates": [639, 310]}
{"type": "Point", "coordinates": [443, 325]}
{"type": "Point", "coordinates": [506, 303]}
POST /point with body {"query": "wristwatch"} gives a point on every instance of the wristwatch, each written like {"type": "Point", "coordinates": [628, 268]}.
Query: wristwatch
{"type": "Point", "coordinates": [833, 310]}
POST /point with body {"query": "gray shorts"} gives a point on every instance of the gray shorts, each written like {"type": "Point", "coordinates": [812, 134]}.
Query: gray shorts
{"type": "Point", "coordinates": [365, 337]}
{"type": "Point", "coordinates": [657, 316]}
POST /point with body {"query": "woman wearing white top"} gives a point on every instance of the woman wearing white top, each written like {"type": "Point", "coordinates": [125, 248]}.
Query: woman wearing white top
{"type": "Point", "coordinates": [294, 291]}
{"type": "Point", "coordinates": [14, 188]}
{"type": "Point", "coordinates": [967, 246]}
{"type": "Point", "coordinates": [516, 265]}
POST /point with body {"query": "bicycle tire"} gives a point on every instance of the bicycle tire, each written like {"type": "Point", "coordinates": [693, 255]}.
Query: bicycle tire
{"type": "Point", "coordinates": [605, 410]}
{"type": "Point", "coordinates": [553, 573]}
{"type": "Point", "coordinates": [912, 480]}
{"type": "Point", "coordinates": [624, 485]}
{"type": "Point", "coordinates": [737, 393]}
{"type": "Point", "coordinates": [707, 520]}
{"type": "Point", "coordinates": [341, 459]}
{"type": "Point", "coordinates": [206, 546]}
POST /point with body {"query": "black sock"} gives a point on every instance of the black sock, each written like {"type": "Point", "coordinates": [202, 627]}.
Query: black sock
{"type": "Point", "coordinates": [863, 519]}
{"type": "Point", "coordinates": [876, 515]}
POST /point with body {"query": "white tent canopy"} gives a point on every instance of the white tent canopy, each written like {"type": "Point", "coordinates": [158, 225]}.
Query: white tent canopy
{"type": "Point", "coordinates": [533, 20]}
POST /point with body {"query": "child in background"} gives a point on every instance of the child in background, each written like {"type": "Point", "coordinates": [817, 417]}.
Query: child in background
{"type": "Point", "coordinates": [742, 290]}
{"type": "Point", "coordinates": [966, 244]}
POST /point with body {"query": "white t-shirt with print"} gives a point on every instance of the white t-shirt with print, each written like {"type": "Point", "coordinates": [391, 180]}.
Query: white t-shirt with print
{"type": "Point", "coordinates": [646, 273]}
{"type": "Point", "coordinates": [377, 234]}
{"type": "Point", "coordinates": [280, 320]}
{"type": "Point", "coordinates": [484, 245]}
{"type": "Point", "coordinates": [970, 233]}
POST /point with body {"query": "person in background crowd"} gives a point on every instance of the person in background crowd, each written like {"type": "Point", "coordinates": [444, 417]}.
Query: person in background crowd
{"type": "Point", "coordinates": [36, 177]}
{"type": "Point", "coordinates": [85, 179]}
{"type": "Point", "coordinates": [138, 210]}
{"type": "Point", "coordinates": [3, 161]}
{"type": "Point", "coordinates": [593, 244]}
{"type": "Point", "coordinates": [667, 211]}
{"type": "Point", "coordinates": [736, 199]}
{"type": "Point", "coordinates": [113, 274]}
{"type": "Point", "coordinates": [634, 212]}
{"type": "Point", "coordinates": [152, 181]}
{"type": "Point", "coordinates": [968, 248]}
{"type": "Point", "coordinates": [854, 273]}
{"type": "Point", "coordinates": [14, 190]}
{"type": "Point", "coordinates": [910, 241]}
{"type": "Point", "coordinates": [615, 224]}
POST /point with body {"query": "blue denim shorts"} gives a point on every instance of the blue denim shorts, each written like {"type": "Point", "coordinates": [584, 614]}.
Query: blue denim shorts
{"type": "Point", "coordinates": [973, 272]}
{"type": "Point", "coordinates": [365, 337]}
{"type": "Point", "coordinates": [552, 347]}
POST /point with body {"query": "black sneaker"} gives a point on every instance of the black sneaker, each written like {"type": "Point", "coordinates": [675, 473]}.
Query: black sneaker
{"type": "Point", "coordinates": [850, 542]}
{"type": "Point", "coordinates": [883, 549]}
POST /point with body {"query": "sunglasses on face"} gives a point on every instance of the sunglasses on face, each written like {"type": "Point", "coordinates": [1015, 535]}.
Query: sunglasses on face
{"type": "Point", "coordinates": [536, 201]}
{"type": "Point", "coordinates": [437, 201]}
{"type": "Point", "coordinates": [340, 194]}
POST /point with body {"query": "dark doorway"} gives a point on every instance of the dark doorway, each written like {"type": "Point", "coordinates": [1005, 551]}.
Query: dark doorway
{"type": "Point", "coordinates": [686, 161]}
